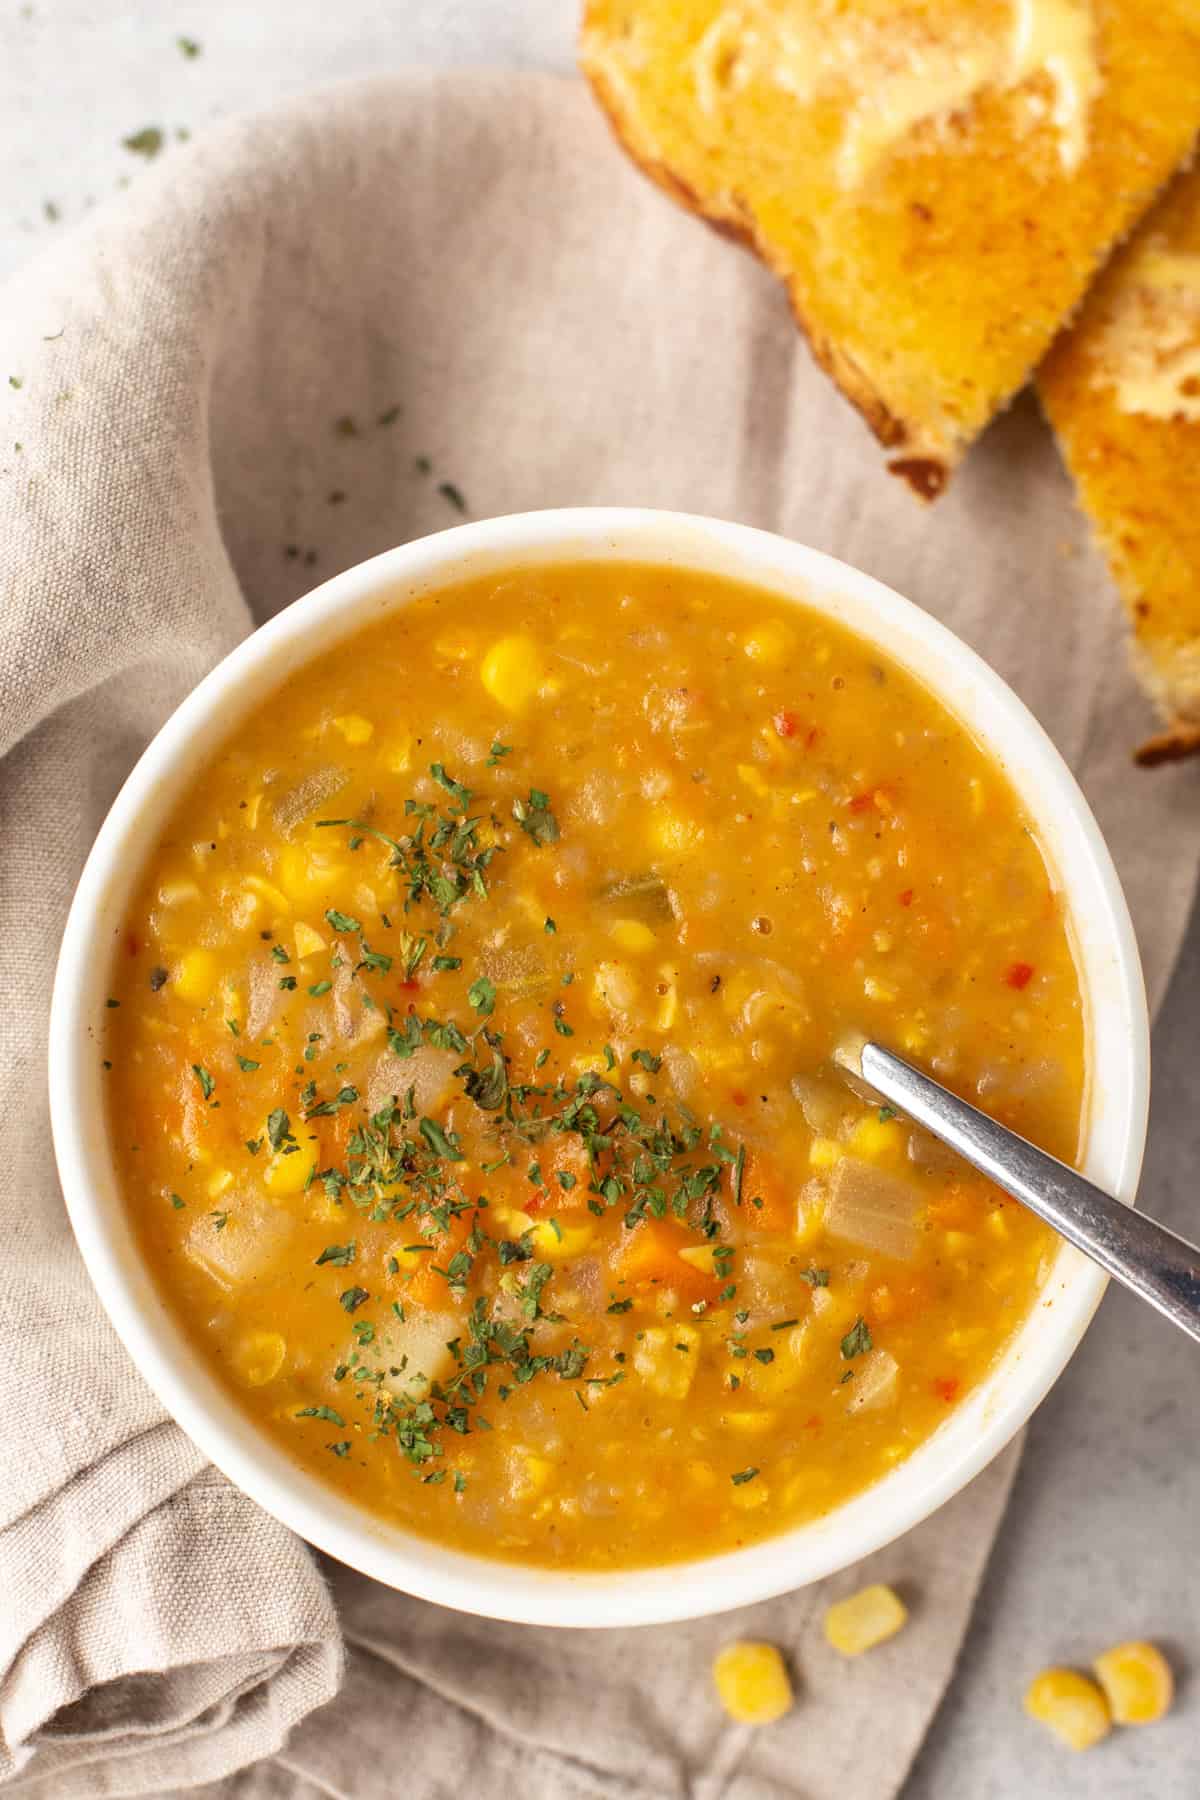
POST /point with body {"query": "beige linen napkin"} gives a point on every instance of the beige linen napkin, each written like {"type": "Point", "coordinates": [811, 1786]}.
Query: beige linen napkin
{"type": "Point", "coordinates": [293, 345]}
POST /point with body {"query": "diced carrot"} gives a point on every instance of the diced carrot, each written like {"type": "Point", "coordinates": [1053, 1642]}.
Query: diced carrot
{"type": "Point", "coordinates": [960, 1206]}
{"type": "Point", "coordinates": [896, 1302]}
{"type": "Point", "coordinates": [1019, 974]}
{"type": "Point", "coordinates": [426, 1287]}
{"type": "Point", "coordinates": [650, 1257]}
{"type": "Point", "coordinates": [763, 1181]}
{"type": "Point", "coordinates": [906, 898]}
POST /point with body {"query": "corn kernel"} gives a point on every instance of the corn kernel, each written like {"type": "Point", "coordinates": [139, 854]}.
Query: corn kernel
{"type": "Point", "coordinates": [668, 1002]}
{"type": "Point", "coordinates": [823, 1153]}
{"type": "Point", "coordinates": [354, 728]}
{"type": "Point", "coordinates": [749, 1424]}
{"type": "Point", "coordinates": [397, 758]}
{"type": "Point", "coordinates": [307, 941]}
{"type": "Point", "coordinates": [864, 1619]}
{"type": "Point", "coordinates": [752, 1683]}
{"type": "Point", "coordinates": [511, 671]}
{"type": "Point", "coordinates": [535, 1472]}
{"type": "Point", "coordinates": [258, 1357]}
{"type": "Point", "coordinates": [700, 1256]}
{"type": "Point", "coordinates": [666, 1358]}
{"type": "Point", "coordinates": [875, 1138]}
{"type": "Point", "coordinates": [556, 1242]}
{"type": "Point", "coordinates": [750, 1495]}
{"type": "Point", "coordinates": [752, 778]}
{"type": "Point", "coordinates": [311, 876]}
{"type": "Point", "coordinates": [266, 890]}
{"type": "Point", "coordinates": [769, 642]}
{"type": "Point", "coordinates": [631, 934]}
{"type": "Point", "coordinates": [195, 976]}
{"type": "Point", "coordinates": [672, 832]}
{"type": "Point", "coordinates": [220, 1183]}
{"type": "Point", "coordinates": [1073, 1707]}
{"type": "Point", "coordinates": [1137, 1682]}
{"type": "Point", "coordinates": [287, 1174]}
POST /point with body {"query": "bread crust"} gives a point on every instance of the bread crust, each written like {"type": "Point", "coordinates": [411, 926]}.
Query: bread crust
{"type": "Point", "coordinates": [925, 472]}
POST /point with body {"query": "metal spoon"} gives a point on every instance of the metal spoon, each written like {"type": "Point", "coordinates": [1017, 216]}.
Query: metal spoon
{"type": "Point", "coordinates": [1143, 1255]}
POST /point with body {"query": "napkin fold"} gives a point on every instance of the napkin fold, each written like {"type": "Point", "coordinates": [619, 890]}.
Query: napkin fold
{"type": "Point", "coordinates": [308, 337]}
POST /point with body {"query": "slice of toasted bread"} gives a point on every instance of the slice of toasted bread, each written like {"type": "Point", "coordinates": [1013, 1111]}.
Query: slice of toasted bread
{"type": "Point", "coordinates": [1122, 390]}
{"type": "Point", "coordinates": [936, 181]}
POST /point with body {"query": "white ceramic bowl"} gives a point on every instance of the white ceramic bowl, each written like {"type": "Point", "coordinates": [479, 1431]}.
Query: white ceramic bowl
{"type": "Point", "coordinates": [1116, 1024]}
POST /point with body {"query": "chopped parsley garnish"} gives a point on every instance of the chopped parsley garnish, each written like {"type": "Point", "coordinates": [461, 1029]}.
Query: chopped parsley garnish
{"type": "Point", "coordinates": [205, 1080]}
{"type": "Point", "coordinates": [743, 1476]}
{"type": "Point", "coordinates": [857, 1340]}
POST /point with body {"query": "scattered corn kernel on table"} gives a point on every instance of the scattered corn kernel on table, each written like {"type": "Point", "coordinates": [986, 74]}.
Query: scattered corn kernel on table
{"type": "Point", "coordinates": [1097, 1545]}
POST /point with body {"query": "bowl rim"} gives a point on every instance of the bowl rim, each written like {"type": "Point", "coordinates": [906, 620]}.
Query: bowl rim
{"type": "Point", "coordinates": [1110, 967]}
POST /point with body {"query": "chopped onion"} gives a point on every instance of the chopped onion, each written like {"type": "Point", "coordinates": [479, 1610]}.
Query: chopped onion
{"type": "Point", "coordinates": [875, 1381]}
{"type": "Point", "coordinates": [869, 1206]}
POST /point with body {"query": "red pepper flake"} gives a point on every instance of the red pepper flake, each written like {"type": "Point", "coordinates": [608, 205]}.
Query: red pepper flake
{"type": "Point", "coordinates": [906, 898]}
{"type": "Point", "coordinates": [785, 724]}
{"type": "Point", "coordinates": [813, 735]}
{"type": "Point", "coordinates": [411, 985]}
{"type": "Point", "coordinates": [946, 1388]}
{"type": "Point", "coordinates": [132, 945]}
{"type": "Point", "coordinates": [738, 1097]}
{"type": "Point", "coordinates": [812, 1423]}
{"type": "Point", "coordinates": [1019, 974]}
{"type": "Point", "coordinates": [862, 803]}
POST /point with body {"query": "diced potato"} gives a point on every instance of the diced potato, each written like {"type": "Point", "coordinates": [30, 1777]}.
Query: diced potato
{"type": "Point", "coordinates": [510, 1220]}
{"type": "Point", "coordinates": [632, 935]}
{"type": "Point", "coordinates": [786, 1369]}
{"type": "Point", "coordinates": [195, 977]}
{"type": "Point", "coordinates": [752, 1683]}
{"type": "Point", "coordinates": [665, 1357]}
{"type": "Point", "coordinates": [287, 1174]}
{"type": "Point", "coordinates": [769, 642]}
{"type": "Point", "coordinates": [178, 893]}
{"type": "Point", "coordinates": [1070, 1705]}
{"type": "Point", "coordinates": [314, 875]}
{"type": "Point", "coordinates": [750, 1495]}
{"type": "Point", "coordinates": [555, 1241]}
{"type": "Point", "coordinates": [354, 728]}
{"type": "Point", "coordinates": [614, 988]}
{"type": "Point", "coordinates": [258, 1357]}
{"type": "Point", "coordinates": [1137, 1682]}
{"type": "Point", "coordinates": [865, 1619]}
{"type": "Point", "coordinates": [220, 1183]}
{"type": "Point", "coordinates": [417, 1348]}
{"type": "Point", "coordinates": [307, 941]}
{"type": "Point", "coordinates": [512, 671]}
{"type": "Point", "coordinates": [824, 1152]}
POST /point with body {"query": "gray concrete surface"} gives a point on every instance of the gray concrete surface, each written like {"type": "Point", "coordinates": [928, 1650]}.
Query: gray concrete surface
{"type": "Point", "coordinates": [1100, 1542]}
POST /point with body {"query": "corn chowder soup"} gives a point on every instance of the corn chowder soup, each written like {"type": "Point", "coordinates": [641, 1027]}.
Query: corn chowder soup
{"type": "Point", "coordinates": [470, 1050]}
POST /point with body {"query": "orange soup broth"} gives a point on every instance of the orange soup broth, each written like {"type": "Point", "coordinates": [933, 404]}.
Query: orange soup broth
{"type": "Point", "coordinates": [505, 1175]}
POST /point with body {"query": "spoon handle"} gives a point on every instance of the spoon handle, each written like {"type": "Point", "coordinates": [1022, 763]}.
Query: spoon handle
{"type": "Point", "coordinates": [1140, 1253]}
